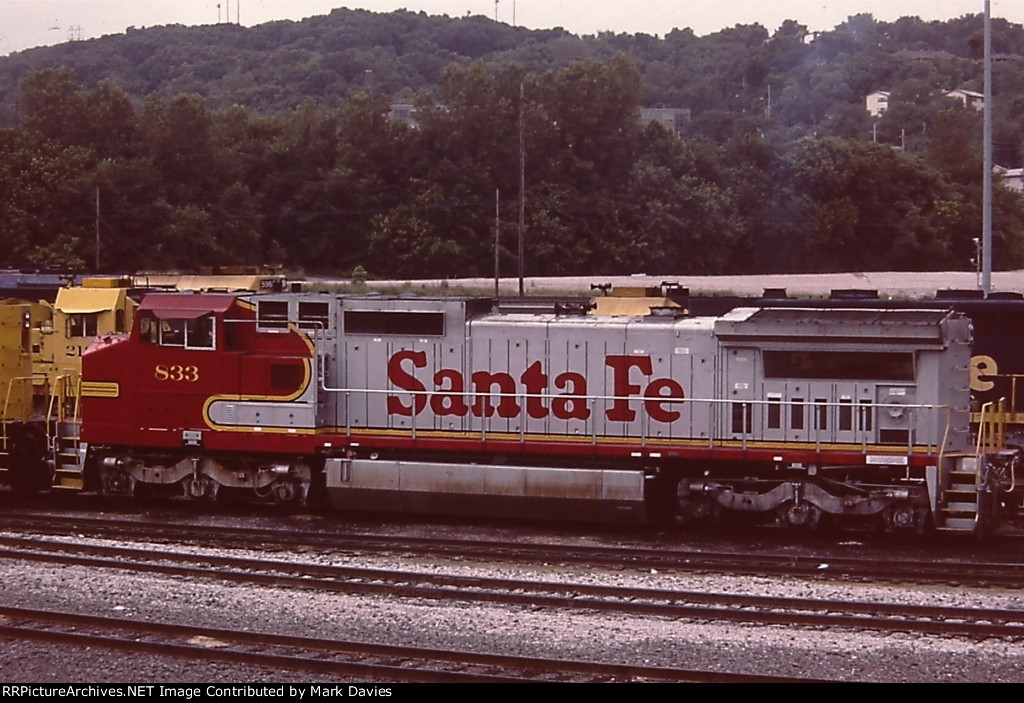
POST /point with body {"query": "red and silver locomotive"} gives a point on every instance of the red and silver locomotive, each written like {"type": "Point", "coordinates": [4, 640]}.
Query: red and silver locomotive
{"type": "Point", "coordinates": [453, 405]}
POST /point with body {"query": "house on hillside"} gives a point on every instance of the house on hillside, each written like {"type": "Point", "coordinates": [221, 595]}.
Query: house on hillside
{"type": "Point", "coordinates": [671, 118]}
{"type": "Point", "coordinates": [969, 98]}
{"type": "Point", "coordinates": [877, 103]}
{"type": "Point", "coordinates": [1011, 178]}
{"type": "Point", "coordinates": [405, 113]}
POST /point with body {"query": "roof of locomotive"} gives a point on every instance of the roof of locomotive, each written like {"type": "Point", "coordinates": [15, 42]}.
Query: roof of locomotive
{"type": "Point", "coordinates": [89, 300]}
{"type": "Point", "coordinates": [186, 305]}
{"type": "Point", "coordinates": [862, 315]}
{"type": "Point", "coordinates": [896, 326]}
{"type": "Point", "coordinates": [591, 321]}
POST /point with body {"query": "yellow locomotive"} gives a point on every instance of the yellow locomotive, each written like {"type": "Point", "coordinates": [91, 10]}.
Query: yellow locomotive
{"type": "Point", "coordinates": [41, 347]}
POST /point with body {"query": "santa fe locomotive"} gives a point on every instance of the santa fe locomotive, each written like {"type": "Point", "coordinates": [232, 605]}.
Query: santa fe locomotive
{"type": "Point", "coordinates": [997, 362]}
{"type": "Point", "coordinates": [795, 416]}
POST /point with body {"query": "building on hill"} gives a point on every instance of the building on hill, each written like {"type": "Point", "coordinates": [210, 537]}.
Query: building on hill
{"type": "Point", "coordinates": [969, 98]}
{"type": "Point", "coordinates": [877, 103]}
{"type": "Point", "coordinates": [671, 118]}
{"type": "Point", "coordinates": [1011, 178]}
{"type": "Point", "coordinates": [405, 113]}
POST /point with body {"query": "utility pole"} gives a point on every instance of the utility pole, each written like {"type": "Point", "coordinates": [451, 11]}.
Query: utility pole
{"type": "Point", "coordinates": [986, 221]}
{"type": "Point", "coordinates": [522, 188]}
{"type": "Point", "coordinates": [497, 239]}
{"type": "Point", "coordinates": [97, 269]}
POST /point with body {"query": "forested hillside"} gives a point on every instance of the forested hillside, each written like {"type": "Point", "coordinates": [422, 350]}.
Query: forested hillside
{"type": "Point", "coordinates": [226, 145]}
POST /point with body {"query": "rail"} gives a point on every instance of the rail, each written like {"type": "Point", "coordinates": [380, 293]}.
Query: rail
{"type": "Point", "coordinates": [1013, 378]}
{"type": "Point", "coordinates": [713, 421]}
{"type": "Point", "coordinates": [57, 409]}
{"type": "Point", "coordinates": [6, 416]}
{"type": "Point", "coordinates": [991, 427]}
{"type": "Point", "coordinates": [1011, 414]}
{"type": "Point", "coordinates": [718, 422]}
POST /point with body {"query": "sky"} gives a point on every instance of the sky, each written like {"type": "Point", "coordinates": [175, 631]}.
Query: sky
{"type": "Point", "coordinates": [29, 23]}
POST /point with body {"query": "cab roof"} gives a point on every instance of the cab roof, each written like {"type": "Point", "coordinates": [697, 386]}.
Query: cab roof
{"type": "Point", "coordinates": [185, 305]}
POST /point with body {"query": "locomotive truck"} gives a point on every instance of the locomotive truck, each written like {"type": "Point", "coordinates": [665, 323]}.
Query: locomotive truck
{"type": "Point", "coordinates": [791, 415]}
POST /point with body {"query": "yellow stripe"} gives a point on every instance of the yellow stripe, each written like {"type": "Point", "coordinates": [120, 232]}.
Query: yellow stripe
{"type": "Point", "coordinates": [307, 368]}
{"type": "Point", "coordinates": [656, 442]}
{"type": "Point", "coordinates": [101, 389]}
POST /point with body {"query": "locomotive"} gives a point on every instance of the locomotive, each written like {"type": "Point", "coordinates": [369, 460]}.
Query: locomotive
{"type": "Point", "coordinates": [796, 416]}
{"type": "Point", "coordinates": [997, 361]}
{"type": "Point", "coordinates": [41, 346]}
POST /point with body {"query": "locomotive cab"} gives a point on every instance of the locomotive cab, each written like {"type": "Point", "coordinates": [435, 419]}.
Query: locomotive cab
{"type": "Point", "coordinates": [196, 371]}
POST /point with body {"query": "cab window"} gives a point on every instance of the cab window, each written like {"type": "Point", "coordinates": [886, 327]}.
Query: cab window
{"type": "Point", "coordinates": [198, 333]}
{"type": "Point", "coordinates": [82, 324]}
{"type": "Point", "coordinates": [172, 333]}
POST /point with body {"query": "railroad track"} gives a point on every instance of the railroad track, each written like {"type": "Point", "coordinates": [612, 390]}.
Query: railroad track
{"type": "Point", "coordinates": [354, 660]}
{"type": "Point", "coordinates": [972, 622]}
{"type": "Point", "coordinates": [952, 570]}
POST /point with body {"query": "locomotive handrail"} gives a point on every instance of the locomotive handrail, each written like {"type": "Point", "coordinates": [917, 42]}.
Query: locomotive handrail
{"type": "Point", "coordinates": [991, 426]}
{"type": "Point", "coordinates": [59, 395]}
{"type": "Point", "coordinates": [589, 396]}
{"type": "Point", "coordinates": [10, 388]}
{"type": "Point", "coordinates": [1012, 377]}
{"type": "Point", "coordinates": [816, 433]}
{"type": "Point", "coordinates": [982, 427]}
{"type": "Point", "coordinates": [7, 403]}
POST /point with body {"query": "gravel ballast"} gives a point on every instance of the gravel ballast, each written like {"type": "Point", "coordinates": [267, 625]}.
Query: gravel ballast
{"type": "Point", "coordinates": [586, 635]}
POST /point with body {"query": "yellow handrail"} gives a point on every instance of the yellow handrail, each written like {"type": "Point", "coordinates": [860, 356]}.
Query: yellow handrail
{"type": "Point", "coordinates": [991, 426]}
{"type": "Point", "coordinates": [5, 416]}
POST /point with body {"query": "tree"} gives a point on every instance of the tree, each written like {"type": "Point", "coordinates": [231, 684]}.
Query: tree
{"type": "Point", "coordinates": [870, 208]}
{"type": "Point", "coordinates": [46, 203]}
{"type": "Point", "coordinates": [179, 140]}
{"type": "Point", "coordinates": [51, 104]}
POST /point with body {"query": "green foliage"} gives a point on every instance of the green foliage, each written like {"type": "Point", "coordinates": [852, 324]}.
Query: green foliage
{"type": "Point", "coordinates": [44, 192]}
{"type": "Point", "coordinates": [224, 145]}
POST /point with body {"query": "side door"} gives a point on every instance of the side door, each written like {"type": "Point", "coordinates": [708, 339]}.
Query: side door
{"type": "Point", "coordinates": [739, 414]}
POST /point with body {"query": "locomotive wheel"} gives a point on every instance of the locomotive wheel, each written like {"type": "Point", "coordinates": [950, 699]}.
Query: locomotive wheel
{"type": "Point", "coordinates": [200, 487]}
{"type": "Point", "coordinates": [118, 482]}
{"type": "Point", "coordinates": [286, 492]}
{"type": "Point", "coordinates": [700, 511]}
{"type": "Point", "coordinates": [905, 518]}
{"type": "Point", "coordinates": [803, 516]}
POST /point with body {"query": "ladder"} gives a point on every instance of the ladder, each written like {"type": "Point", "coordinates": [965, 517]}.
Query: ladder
{"type": "Point", "coordinates": [66, 448]}
{"type": "Point", "coordinates": [968, 489]}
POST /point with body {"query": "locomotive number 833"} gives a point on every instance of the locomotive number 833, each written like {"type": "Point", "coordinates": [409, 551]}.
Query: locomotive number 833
{"type": "Point", "coordinates": [856, 416]}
